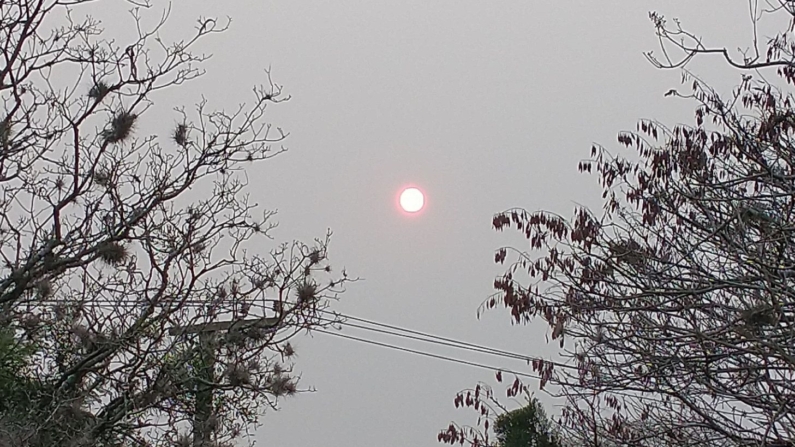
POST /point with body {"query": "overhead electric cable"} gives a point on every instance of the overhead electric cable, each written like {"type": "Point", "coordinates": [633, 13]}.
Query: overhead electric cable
{"type": "Point", "coordinates": [426, 354]}
{"type": "Point", "coordinates": [414, 334]}
{"type": "Point", "coordinates": [429, 338]}
{"type": "Point", "coordinates": [441, 339]}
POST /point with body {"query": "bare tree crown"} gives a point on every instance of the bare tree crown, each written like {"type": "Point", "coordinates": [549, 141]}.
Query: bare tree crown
{"type": "Point", "coordinates": [116, 244]}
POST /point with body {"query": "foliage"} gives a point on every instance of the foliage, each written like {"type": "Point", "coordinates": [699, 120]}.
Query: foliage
{"type": "Point", "coordinates": [116, 243]}
{"type": "Point", "coordinates": [675, 306]}
{"type": "Point", "coordinates": [527, 426]}
{"type": "Point", "coordinates": [15, 385]}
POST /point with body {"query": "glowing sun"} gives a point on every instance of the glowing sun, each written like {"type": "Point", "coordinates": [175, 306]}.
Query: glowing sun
{"type": "Point", "coordinates": [412, 200]}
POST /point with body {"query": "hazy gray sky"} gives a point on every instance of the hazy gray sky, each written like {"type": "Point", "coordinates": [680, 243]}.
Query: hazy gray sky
{"type": "Point", "coordinates": [486, 105]}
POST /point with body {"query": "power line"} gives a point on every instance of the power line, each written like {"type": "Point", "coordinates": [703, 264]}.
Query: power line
{"type": "Point", "coordinates": [431, 338]}
{"type": "Point", "coordinates": [434, 339]}
{"type": "Point", "coordinates": [409, 333]}
{"type": "Point", "coordinates": [426, 354]}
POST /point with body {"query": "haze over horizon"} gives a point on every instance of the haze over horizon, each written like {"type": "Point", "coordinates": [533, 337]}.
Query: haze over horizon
{"type": "Point", "coordinates": [483, 105]}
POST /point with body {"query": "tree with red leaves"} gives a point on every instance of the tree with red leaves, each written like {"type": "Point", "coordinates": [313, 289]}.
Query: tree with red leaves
{"type": "Point", "coordinates": [675, 305]}
{"type": "Point", "coordinates": [527, 426]}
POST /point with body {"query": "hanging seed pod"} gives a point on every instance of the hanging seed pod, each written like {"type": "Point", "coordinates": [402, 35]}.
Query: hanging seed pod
{"type": "Point", "coordinates": [99, 91]}
{"type": "Point", "coordinates": [112, 253]}
{"type": "Point", "coordinates": [121, 127]}
{"type": "Point", "coordinates": [307, 293]}
{"type": "Point", "coordinates": [180, 135]}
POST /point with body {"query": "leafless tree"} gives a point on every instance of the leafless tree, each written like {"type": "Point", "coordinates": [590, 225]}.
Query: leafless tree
{"type": "Point", "coordinates": [676, 303]}
{"type": "Point", "coordinates": [131, 264]}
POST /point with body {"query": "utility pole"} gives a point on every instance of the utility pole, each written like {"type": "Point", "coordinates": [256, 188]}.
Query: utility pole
{"type": "Point", "coordinates": [208, 336]}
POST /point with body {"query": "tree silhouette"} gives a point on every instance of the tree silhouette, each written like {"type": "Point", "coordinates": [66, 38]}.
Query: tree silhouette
{"type": "Point", "coordinates": [527, 426]}
{"type": "Point", "coordinates": [674, 306]}
{"type": "Point", "coordinates": [121, 249]}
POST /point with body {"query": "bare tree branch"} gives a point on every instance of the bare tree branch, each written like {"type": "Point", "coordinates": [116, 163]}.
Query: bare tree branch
{"type": "Point", "coordinates": [120, 248]}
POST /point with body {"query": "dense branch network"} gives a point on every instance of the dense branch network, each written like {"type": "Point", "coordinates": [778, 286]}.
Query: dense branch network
{"type": "Point", "coordinates": [94, 211]}
{"type": "Point", "coordinates": [675, 303]}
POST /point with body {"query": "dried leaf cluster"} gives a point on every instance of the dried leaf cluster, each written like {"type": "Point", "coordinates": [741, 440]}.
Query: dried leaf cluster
{"type": "Point", "coordinates": [674, 307]}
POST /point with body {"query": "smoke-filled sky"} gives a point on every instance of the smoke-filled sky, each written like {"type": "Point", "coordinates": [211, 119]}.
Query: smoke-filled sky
{"type": "Point", "coordinates": [485, 105]}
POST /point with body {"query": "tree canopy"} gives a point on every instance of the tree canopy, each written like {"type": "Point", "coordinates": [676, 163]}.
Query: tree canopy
{"type": "Point", "coordinates": [674, 305]}
{"type": "Point", "coordinates": [497, 426]}
{"type": "Point", "coordinates": [527, 426]}
{"type": "Point", "coordinates": [141, 299]}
